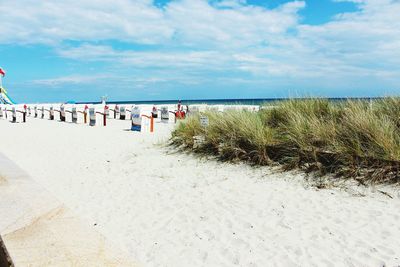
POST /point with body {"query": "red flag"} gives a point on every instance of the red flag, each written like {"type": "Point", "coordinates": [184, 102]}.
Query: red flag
{"type": "Point", "coordinates": [2, 72]}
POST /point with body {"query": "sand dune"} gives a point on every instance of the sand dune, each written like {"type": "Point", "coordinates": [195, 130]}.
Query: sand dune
{"type": "Point", "coordinates": [169, 209]}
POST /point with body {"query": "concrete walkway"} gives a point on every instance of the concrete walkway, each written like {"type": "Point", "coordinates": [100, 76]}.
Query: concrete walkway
{"type": "Point", "coordinates": [38, 230]}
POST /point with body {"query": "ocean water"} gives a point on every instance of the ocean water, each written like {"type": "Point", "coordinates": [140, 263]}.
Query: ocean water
{"type": "Point", "coordinates": [250, 101]}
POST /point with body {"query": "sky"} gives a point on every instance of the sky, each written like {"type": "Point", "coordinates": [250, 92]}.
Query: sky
{"type": "Point", "coordinates": [197, 49]}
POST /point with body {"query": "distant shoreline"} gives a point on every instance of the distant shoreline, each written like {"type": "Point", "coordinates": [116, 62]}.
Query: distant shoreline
{"type": "Point", "coordinates": [238, 101]}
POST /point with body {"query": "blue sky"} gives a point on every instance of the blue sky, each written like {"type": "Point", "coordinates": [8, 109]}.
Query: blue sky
{"type": "Point", "coordinates": [196, 49]}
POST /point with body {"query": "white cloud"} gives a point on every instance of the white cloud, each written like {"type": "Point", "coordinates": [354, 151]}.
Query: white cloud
{"type": "Point", "coordinates": [189, 61]}
{"type": "Point", "coordinates": [89, 52]}
{"type": "Point", "coordinates": [108, 80]}
{"type": "Point", "coordinates": [198, 36]}
{"type": "Point", "coordinates": [143, 59]}
{"type": "Point", "coordinates": [31, 21]}
{"type": "Point", "coordinates": [189, 22]}
{"type": "Point", "coordinates": [367, 40]}
{"type": "Point", "coordinates": [197, 23]}
{"type": "Point", "coordinates": [70, 80]}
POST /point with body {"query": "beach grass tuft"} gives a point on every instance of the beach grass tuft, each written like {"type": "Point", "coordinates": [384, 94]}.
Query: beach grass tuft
{"type": "Point", "coordinates": [357, 139]}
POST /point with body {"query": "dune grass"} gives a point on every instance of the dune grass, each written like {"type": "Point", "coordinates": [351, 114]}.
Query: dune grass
{"type": "Point", "coordinates": [352, 139]}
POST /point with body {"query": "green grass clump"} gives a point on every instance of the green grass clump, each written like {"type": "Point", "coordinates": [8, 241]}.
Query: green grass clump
{"type": "Point", "coordinates": [246, 139]}
{"type": "Point", "coordinates": [363, 132]}
{"type": "Point", "coordinates": [359, 139]}
{"type": "Point", "coordinates": [184, 133]}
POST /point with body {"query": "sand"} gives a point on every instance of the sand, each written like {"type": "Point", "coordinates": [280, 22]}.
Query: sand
{"type": "Point", "coordinates": [39, 230]}
{"type": "Point", "coordinates": [166, 208]}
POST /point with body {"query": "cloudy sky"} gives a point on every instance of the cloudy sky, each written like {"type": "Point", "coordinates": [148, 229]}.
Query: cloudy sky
{"type": "Point", "coordinates": [196, 49]}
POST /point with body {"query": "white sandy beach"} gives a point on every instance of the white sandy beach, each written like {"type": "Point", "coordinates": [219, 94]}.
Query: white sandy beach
{"type": "Point", "coordinates": [165, 208]}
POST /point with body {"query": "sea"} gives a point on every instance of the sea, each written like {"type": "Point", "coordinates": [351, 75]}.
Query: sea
{"type": "Point", "coordinates": [245, 101]}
